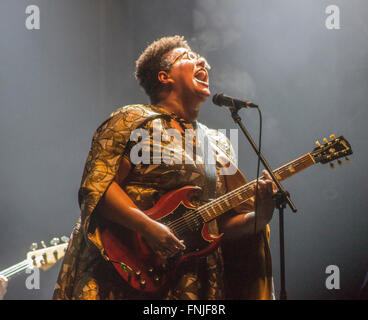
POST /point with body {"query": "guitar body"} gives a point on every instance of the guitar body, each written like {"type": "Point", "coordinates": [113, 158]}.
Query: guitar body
{"type": "Point", "coordinates": [137, 264]}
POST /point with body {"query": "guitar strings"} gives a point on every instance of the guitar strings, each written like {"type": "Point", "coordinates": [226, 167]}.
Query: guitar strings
{"type": "Point", "coordinates": [235, 193]}
{"type": "Point", "coordinates": [180, 224]}
{"type": "Point", "coordinates": [15, 269]}
{"type": "Point", "coordinates": [246, 187]}
{"type": "Point", "coordinates": [230, 196]}
{"type": "Point", "coordinates": [14, 266]}
{"type": "Point", "coordinates": [14, 272]}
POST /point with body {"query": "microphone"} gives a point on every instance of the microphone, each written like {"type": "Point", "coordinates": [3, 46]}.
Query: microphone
{"type": "Point", "coordinates": [222, 100]}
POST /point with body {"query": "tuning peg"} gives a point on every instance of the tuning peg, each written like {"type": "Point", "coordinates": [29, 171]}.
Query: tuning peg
{"type": "Point", "coordinates": [318, 144]}
{"type": "Point", "coordinates": [339, 162]}
{"type": "Point", "coordinates": [332, 137]}
{"type": "Point", "coordinates": [332, 165]}
{"type": "Point", "coordinates": [347, 159]}
{"type": "Point", "coordinates": [43, 244]}
{"type": "Point", "coordinates": [64, 239]}
{"type": "Point", "coordinates": [325, 140]}
{"type": "Point", "coordinates": [55, 241]}
{"type": "Point", "coordinates": [33, 246]}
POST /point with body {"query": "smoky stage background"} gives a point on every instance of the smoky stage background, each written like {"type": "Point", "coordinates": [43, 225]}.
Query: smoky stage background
{"type": "Point", "coordinates": [57, 84]}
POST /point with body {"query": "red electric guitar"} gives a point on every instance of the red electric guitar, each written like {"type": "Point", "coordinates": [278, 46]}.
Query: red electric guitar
{"type": "Point", "coordinates": [144, 270]}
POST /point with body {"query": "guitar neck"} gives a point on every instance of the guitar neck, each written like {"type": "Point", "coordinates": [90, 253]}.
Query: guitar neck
{"type": "Point", "coordinates": [43, 259]}
{"type": "Point", "coordinates": [217, 207]}
{"type": "Point", "coordinates": [16, 269]}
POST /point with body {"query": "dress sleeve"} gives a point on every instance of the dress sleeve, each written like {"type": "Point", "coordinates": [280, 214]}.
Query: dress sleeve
{"type": "Point", "coordinates": [109, 144]}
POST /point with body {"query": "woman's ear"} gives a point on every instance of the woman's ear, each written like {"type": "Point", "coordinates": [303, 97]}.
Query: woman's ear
{"type": "Point", "coordinates": [164, 77]}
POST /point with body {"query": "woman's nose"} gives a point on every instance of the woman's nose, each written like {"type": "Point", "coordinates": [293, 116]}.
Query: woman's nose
{"type": "Point", "coordinates": [201, 61]}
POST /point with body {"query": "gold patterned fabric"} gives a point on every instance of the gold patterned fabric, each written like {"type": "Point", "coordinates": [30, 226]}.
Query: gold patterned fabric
{"type": "Point", "coordinates": [85, 272]}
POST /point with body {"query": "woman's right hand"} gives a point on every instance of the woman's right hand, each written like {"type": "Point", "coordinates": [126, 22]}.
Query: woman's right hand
{"type": "Point", "coordinates": [161, 239]}
{"type": "Point", "coordinates": [117, 207]}
{"type": "Point", "coordinates": [3, 286]}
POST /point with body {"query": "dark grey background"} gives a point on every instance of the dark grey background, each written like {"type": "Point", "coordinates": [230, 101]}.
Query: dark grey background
{"type": "Point", "coordinates": [57, 84]}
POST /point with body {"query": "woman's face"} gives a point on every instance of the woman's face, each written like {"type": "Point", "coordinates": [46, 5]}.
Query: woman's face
{"type": "Point", "coordinates": [189, 73]}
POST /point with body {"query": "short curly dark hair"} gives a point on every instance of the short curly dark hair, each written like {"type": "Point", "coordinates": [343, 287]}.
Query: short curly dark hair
{"type": "Point", "coordinates": [152, 61]}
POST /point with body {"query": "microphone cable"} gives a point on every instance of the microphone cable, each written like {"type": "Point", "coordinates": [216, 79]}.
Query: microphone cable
{"type": "Point", "coordinates": [258, 168]}
{"type": "Point", "coordinates": [258, 165]}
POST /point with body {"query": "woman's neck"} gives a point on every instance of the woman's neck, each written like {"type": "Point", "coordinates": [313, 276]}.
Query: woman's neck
{"type": "Point", "coordinates": [184, 109]}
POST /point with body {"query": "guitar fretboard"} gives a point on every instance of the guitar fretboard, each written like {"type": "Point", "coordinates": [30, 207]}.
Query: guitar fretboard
{"type": "Point", "coordinates": [215, 208]}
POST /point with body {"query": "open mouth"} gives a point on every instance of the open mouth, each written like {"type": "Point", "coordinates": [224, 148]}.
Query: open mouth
{"type": "Point", "coordinates": [201, 76]}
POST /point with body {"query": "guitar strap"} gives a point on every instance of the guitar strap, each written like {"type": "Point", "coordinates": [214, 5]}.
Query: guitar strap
{"type": "Point", "coordinates": [209, 192]}
{"type": "Point", "coordinates": [208, 154]}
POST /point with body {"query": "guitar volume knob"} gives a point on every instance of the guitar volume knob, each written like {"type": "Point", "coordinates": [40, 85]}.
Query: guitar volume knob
{"type": "Point", "coordinates": [138, 274]}
{"type": "Point", "coordinates": [142, 283]}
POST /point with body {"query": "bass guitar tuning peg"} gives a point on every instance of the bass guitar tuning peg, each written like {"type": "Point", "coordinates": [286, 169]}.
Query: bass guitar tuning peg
{"type": "Point", "coordinates": [347, 159]}
{"type": "Point", "coordinates": [332, 165]}
{"type": "Point", "coordinates": [318, 144]}
{"type": "Point", "coordinates": [33, 246]}
{"type": "Point", "coordinates": [325, 140]}
{"type": "Point", "coordinates": [55, 241]}
{"type": "Point", "coordinates": [332, 137]}
{"type": "Point", "coordinates": [64, 239]}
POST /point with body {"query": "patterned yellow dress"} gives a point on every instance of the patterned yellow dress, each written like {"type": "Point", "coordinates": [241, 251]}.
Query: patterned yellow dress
{"type": "Point", "coordinates": [86, 272]}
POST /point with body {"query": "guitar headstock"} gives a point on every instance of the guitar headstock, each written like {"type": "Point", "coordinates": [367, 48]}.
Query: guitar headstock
{"type": "Point", "coordinates": [46, 257]}
{"type": "Point", "coordinates": [332, 150]}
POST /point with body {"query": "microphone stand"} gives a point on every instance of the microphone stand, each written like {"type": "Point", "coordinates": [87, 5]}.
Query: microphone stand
{"type": "Point", "coordinates": [282, 198]}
